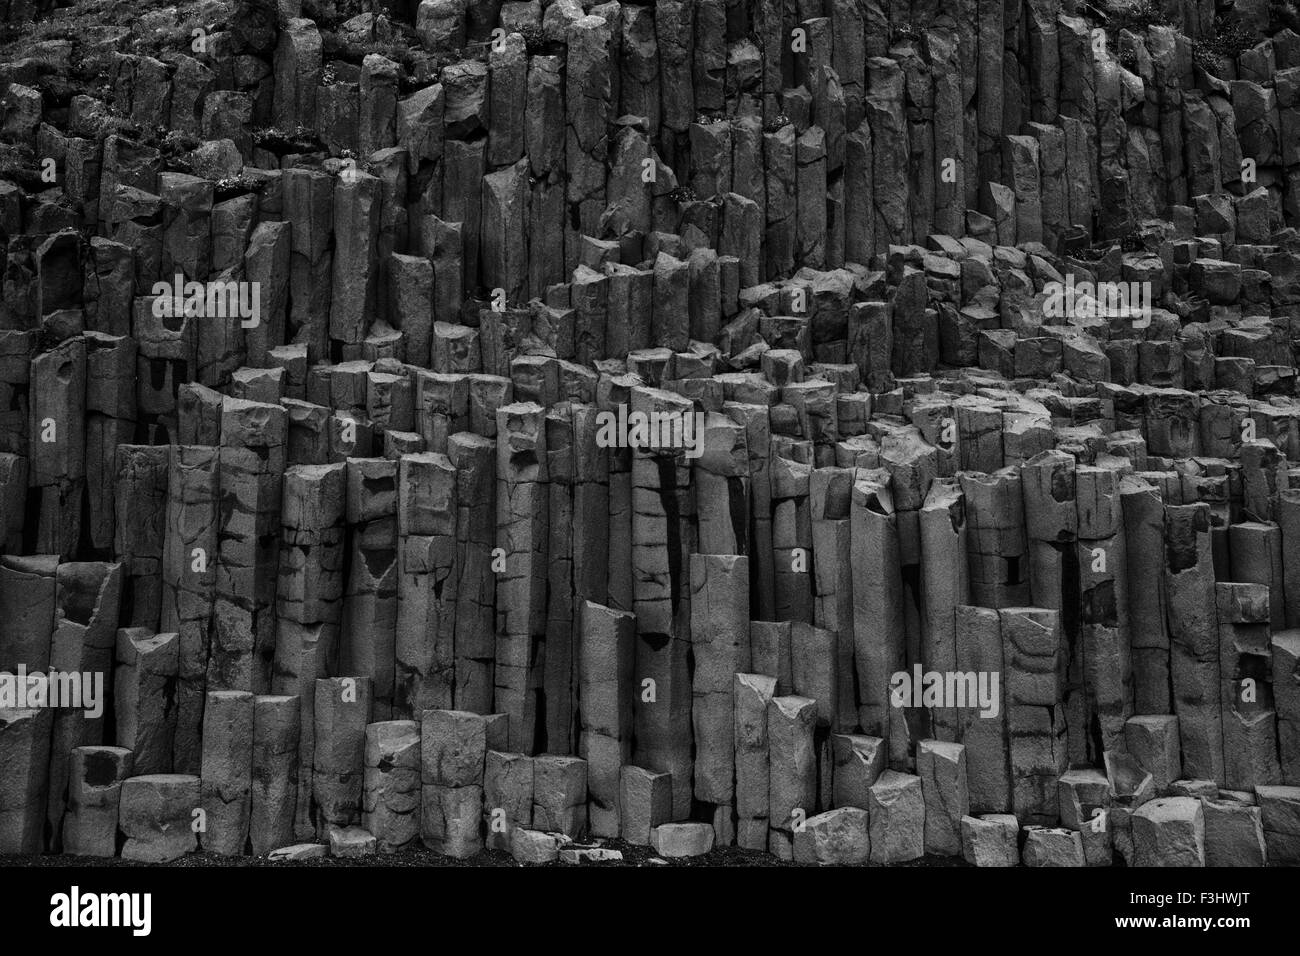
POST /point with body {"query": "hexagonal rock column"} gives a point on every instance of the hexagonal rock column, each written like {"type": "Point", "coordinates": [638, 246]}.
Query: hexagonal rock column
{"type": "Point", "coordinates": [27, 603]}
{"type": "Point", "coordinates": [189, 572]}
{"type": "Point", "coordinates": [560, 795]}
{"type": "Point", "coordinates": [792, 769]}
{"type": "Point", "coordinates": [507, 797]}
{"type": "Point", "coordinates": [1169, 831]}
{"type": "Point", "coordinates": [752, 695]}
{"type": "Point", "coordinates": [24, 751]}
{"type": "Point", "coordinates": [720, 638]}
{"type": "Point", "coordinates": [646, 801]}
{"type": "Point", "coordinates": [340, 714]}
{"type": "Point", "coordinates": [156, 815]}
{"type": "Point", "coordinates": [390, 801]}
{"type": "Point", "coordinates": [1193, 634]}
{"type": "Point", "coordinates": [94, 791]}
{"type": "Point", "coordinates": [144, 700]}
{"type": "Point", "coordinates": [942, 769]}
{"type": "Point", "coordinates": [369, 638]}
{"type": "Point", "coordinates": [227, 774]}
{"type": "Point", "coordinates": [426, 584]}
{"type": "Point", "coordinates": [453, 746]}
{"type": "Point", "coordinates": [254, 439]}
{"type": "Point", "coordinates": [274, 788]}
{"type": "Point", "coordinates": [661, 533]}
{"type": "Point", "coordinates": [897, 815]}
{"type": "Point", "coordinates": [522, 514]}
{"type": "Point", "coordinates": [606, 661]}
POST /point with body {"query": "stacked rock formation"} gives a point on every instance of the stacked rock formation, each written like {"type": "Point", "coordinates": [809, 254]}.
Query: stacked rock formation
{"type": "Point", "coordinates": [317, 317]}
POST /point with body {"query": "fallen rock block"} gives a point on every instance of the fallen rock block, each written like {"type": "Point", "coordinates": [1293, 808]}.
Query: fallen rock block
{"type": "Point", "coordinates": [840, 837]}
{"type": "Point", "coordinates": [589, 854]}
{"type": "Point", "coordinates": [682, 839]}
{"type": "Point", "coordinates": [533, 846]}
{"type": "Point", "coordinates": [1052, 846]}
{"type": "Point", "coordinates": [990, 840]}
{"type": "Point", "coordinates": [299, 852]}
{"type": "Point", "coordinates": [349, 843]}
{"type": "Point", "coordinates": [1169, 831]}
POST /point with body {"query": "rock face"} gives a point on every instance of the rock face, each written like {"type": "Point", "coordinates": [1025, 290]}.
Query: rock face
{"type": "Point", "coordinates": [841, 430]}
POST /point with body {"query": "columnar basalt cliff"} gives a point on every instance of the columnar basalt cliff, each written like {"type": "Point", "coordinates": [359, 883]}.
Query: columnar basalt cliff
{"type": "Point", "coordinates": [852, 430]}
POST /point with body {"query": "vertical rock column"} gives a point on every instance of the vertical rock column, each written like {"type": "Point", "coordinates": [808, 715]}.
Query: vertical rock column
{"type": "Point", "coordinates": [877, 609]}
{"type": "Point", "coordinates": [792, 770]}
{"type": "Point", "coordinates": [355, 280]}
{"type": "Point", "coordinates": [309, 208]}
{"type": "Point", "coordinates": [830, 494]}
{"type": "Point", "coordinates": [189, 572]}
{"type": "Point", "coordinates": [426, 584]}
{"type": "Point", "coordinates": [588, 109]}
{"type": "Point", "coordinates": [889, 157]}
{"type": "Point", "coordinates": [1144, 515]}
{"type": "Point", "coordinates": [983, 731]}
{"type": "Point", "coordinates": [792, 539]}
{"type": "Point", "coordinates": [661, 601]}
{"type": "Point", "coordinates": [1250, 746]}
{"type": "Point", "coordinates": [1193, 639]}
{"type": "Point", "coordinates": [94, 792]}
{"type": "Point", "coordinates": [1035, 670]}
{"type": "Point", "coordinates": [752, 695]}
{"type": "Point", "coordinates": [144, 697]}
{"type": "Point", "coordinates": [390, 807]}
{"type": "Point", "coordinates": [252, 460]}
{"type": "Point", "coordinates": [762, 591]}
{"type": "Point", "coordinates": [474, 458]}
{"type": "Point", "coordinates": [720, 641]}
{"type": "Point", "coordinates": [370, 600]}
{"type": "Point", "coordinates": [1103, 609]}
{"type": "Point", "coordinates": [341, 713]}
{"type": "Point", "coordinates": [944, 587]}
{"type": "Point", "coordinates": [227, 774]}
{"type": "Point", "coordinates": [559, 677]}
{"type": "Point", "coordinates": [995, 538]}
{"type": "Point", "coordinates": [56, 471]}
{"type": "Point", "coordinates": [27, 594]}
{"type": "Point", "coordinates": [522, 512]}
{"type": "Point", "coordinates": [606, 663]}
{"type": "Point", "coordinates": [86, 611]}
{"type": "Point", "coordinates": [274, 787]}
{"type": "Point", "coordinates": [24, 751]}
{"type": "Point", "coordinates": [309, 604]}
{"type": "Point", "coordinates": [140, 498]}
{"type": "Point", "coordinates": [110, 421]}
{"type": "Point", "coordinates": [453, 746]}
